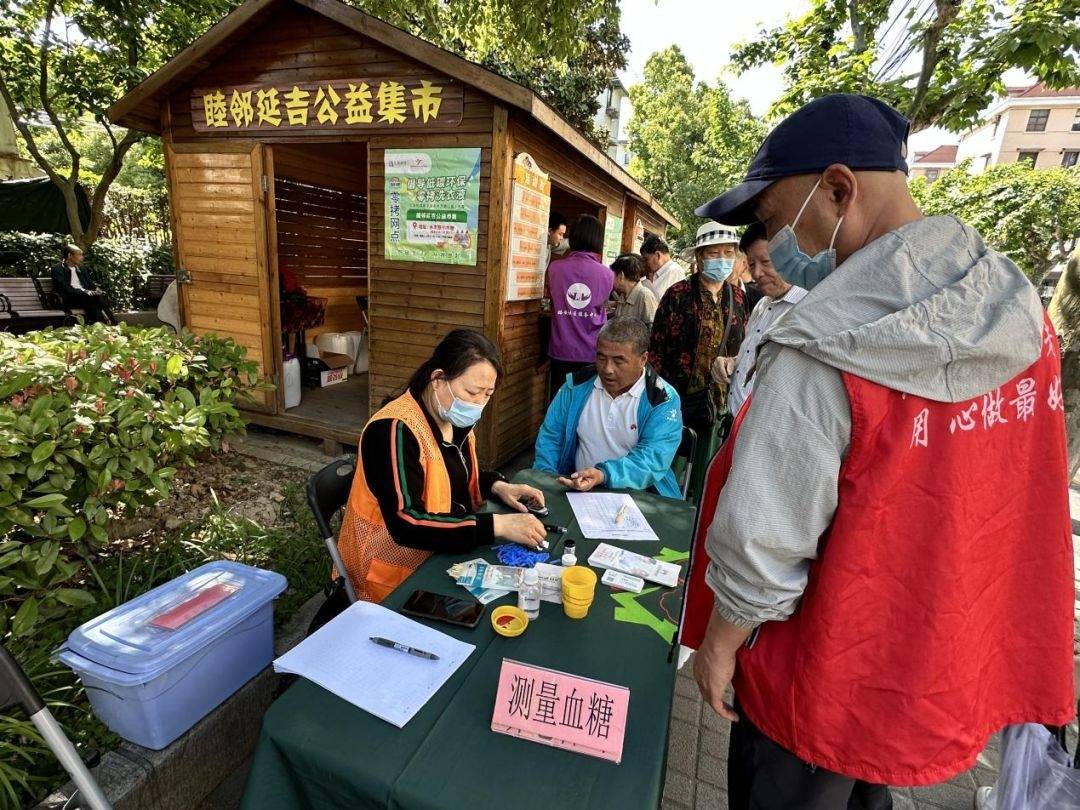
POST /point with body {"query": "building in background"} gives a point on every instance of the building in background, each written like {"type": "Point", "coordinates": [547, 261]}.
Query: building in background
{"type": "Point", "coordinates": [1034, 124]}
{"type": "Point", "coordinates": [613, 116]}
{"type": "Point", "coordinates": [12, 166]}
{"type": "Point", "coordinates": [931, 164]}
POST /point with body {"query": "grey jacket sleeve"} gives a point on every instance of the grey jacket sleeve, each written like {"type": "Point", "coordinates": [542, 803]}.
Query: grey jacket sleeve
{"type": "Point", "coordinates": [781, 493]}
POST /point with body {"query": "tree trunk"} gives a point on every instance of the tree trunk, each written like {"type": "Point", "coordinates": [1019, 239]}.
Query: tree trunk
{"type": "Point", "coordinates": [1065, 313]}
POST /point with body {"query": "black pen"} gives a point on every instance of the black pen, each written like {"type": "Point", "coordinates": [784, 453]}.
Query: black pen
{"type": "Point", "coordinates": [405, 648]}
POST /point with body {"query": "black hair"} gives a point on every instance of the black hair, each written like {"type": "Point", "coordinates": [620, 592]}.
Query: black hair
{"type": "Point", "coordinates": [753, 232]}
{"type": "Point", "coordinates": [555, 219]}
{"type": "Point", "coordinates": [587, 234]}
{"type": "Point", "coordinates": [630, 265]}
{"type": "Point", "coordinates": [654, 244]}
{"type": "Point", "coordinates": [455, 354]}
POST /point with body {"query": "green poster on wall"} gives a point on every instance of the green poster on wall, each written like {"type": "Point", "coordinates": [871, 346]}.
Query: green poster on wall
{"type": "Point", "coordinates": [612, 238]}
{"type": "Point", "coordinates": [432, 205]}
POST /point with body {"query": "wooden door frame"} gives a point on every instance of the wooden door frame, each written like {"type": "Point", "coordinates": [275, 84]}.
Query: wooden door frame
{"type": "Point", "coordinates": [269, 205]}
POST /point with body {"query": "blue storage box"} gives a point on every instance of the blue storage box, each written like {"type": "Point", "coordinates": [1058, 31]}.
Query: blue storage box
{"type": "Point", "coordinates": [155, 666]}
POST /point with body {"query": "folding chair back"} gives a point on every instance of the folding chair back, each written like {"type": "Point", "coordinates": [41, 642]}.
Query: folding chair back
{"type": "Point", "coordinates": [327, 492]}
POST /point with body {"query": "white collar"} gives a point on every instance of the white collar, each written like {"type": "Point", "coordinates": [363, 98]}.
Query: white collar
{"type": "Point", "coordinates": [634, 391]}
{"type": "Point", "coordinates": [793, 295]}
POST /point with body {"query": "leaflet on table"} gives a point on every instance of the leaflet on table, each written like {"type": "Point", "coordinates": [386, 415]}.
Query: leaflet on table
{"type": "Point", "coordinates": [638, 565]}
{"type": "Point", "coordinates": [610, 516]}
{"type": "Point", "coordinates": [483, 595]}
{"type": "Point", "coordinates": [480, 573]}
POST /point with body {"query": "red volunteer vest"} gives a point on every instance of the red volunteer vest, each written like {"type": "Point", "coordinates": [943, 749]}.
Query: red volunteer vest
{"type": "Point", "coordinates": [940, 606]}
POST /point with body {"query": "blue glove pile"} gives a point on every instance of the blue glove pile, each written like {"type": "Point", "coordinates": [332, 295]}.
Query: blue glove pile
{"type": "Point", "coordinates": [519, 556]}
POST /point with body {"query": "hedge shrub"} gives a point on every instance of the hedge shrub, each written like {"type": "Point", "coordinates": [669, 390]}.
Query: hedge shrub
{"type": "Point", "coordinates": [93, 423]}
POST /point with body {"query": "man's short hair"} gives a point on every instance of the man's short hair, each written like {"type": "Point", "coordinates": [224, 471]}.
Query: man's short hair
{"type": "Point", "coordinates": [627, 329]}
{"type": "Point", "coordinates": [754, 232]}
{"type": "Point", "coordinates": [630, 265]}
{"type": "Point", "coordinates": [69, 249]}
{"type": "Point", "coordinates": [654, 244]}
{"type": "Point", "coordinates": [555, 219]}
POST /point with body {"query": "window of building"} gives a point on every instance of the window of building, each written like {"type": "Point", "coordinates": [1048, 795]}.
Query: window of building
{"type": "Point", "coordinates": [1037, 120]}
{"type": "Point", "coordinates": [1076, 122]}
{"type": "Point", "coordinates": [932, 175]}
{"type": "Point", "coordinates": [1029, 157]}
{"type": "Point", "coordinates": [1069, 158]}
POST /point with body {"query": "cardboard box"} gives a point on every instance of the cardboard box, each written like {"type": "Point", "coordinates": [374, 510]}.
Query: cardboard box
{"type": "Point", "coordinates": [338, 370]}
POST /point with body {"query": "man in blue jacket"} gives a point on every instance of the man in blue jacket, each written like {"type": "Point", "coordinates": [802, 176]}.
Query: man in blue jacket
{"type": "Point", "coordinates": [615, 424]}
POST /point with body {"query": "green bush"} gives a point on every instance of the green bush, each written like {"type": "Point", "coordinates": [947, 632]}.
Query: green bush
{"type": "Point", "coordinates": [93, 421]}
{"type": "Point", "coordinates": [119, 266]}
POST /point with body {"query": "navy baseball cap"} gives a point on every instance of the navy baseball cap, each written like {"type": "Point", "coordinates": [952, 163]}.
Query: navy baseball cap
{"type": "Point", "coordinates": [860, 132]}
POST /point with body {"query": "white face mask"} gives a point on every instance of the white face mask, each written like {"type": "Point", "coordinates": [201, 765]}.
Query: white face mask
{"type": "Point", "coordinates": [794, 266]}
{"type": "Point", "coordinates": [460, 414]}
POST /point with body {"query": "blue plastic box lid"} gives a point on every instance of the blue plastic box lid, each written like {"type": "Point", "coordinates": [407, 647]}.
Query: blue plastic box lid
{"type": "Point", "coordinates": [155, 631]}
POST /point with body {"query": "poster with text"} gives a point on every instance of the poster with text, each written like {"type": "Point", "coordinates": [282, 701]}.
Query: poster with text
{"type": "Point", "coordinates": [529, 207]}
{"type": "Point", "coordinates": [612, 238]}
{"type": "Point", "coordinates": [432, 205]}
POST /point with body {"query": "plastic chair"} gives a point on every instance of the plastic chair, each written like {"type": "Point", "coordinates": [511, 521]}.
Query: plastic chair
{"type": "Point", "coordinates": [16, 690]}
{"type": "Point", "coordinates": [687, 449]}
{"type": "Point", "coordinates": [327, 492]}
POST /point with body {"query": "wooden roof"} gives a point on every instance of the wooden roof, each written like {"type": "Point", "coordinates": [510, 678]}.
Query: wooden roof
{"type": "Point", "coordinates": [140, 108]}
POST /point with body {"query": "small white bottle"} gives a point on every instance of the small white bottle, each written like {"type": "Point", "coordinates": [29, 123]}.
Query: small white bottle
{"type": "Point", "coordinates": [569, 556]}
{"type": "Point", "coordinates": [529, 593]}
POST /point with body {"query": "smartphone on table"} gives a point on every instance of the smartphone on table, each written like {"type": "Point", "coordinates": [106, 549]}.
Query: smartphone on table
{"type": "Point", "coordinates": [443, 608]}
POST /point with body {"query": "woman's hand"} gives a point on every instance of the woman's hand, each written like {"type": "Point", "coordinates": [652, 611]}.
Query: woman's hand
{"type": "Point", "coordinates": [524, 529]}
{"type": "Point", "coordinates": [513, 494]}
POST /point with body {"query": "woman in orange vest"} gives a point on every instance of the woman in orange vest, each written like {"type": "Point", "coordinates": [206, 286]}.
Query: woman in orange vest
{"type": "Point", "coordinates": [418, 485]}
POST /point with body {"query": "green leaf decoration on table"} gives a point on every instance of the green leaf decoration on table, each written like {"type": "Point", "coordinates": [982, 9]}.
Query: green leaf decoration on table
{"type": "Point", "coordinates": [633, 612]}
{"type": "Point", "coordinates": [671, 555]}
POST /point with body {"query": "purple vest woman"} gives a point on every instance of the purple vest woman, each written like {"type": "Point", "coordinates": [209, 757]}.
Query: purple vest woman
{"type": "Point", "coordinates": [580, 285]}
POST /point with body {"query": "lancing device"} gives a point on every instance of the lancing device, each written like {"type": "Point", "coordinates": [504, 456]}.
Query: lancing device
{"type": "Point", "coordinates": [405, 648]}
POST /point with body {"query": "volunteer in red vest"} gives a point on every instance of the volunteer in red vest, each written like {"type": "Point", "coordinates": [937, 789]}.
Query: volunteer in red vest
{"type": "Point", "coordinates": [418, 485]}
{"type": "Point", "coordinates": [889, 553]}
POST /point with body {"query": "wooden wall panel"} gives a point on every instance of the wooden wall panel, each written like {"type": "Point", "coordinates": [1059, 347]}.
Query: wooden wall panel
{"type": "Point", "coordinates": [223, 250]}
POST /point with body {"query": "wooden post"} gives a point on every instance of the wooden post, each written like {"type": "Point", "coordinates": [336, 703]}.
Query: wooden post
{"type": "Point", "coordinates": [275, 359]}
{"type": "Point", "coordinates": [502, 159]}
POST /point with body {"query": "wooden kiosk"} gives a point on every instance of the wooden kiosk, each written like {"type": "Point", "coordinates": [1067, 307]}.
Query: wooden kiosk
{"type": "Point", "coordinates": [304, 137]}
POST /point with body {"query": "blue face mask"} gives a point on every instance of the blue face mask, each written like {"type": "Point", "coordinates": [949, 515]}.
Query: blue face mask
{"type": "Point", "coordinates": [460, 414]}
{"type": "Point", "coordinates": [794, 266]}
{"type": "Point", "coordinates": [717, 269]}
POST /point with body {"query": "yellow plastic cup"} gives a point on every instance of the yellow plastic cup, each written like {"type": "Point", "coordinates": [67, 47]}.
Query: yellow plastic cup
{"type": "Point", "coordinates": [578, 590]}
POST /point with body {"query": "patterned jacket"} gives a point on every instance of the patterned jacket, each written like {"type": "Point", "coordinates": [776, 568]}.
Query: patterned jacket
{"type": "Point", "coordinates": [677, 333]}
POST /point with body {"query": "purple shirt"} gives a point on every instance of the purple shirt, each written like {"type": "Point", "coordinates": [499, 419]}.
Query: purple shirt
{"type": "Point", "coordinates": [580, 285]}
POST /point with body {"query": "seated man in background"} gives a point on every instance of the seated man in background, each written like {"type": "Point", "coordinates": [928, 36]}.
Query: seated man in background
{"type": "Point", "coordinates": [615, 424]}
{"type": "Point", "coordinates": [632, 298]}
{"type": "Point", "coordinates": [77, 290]}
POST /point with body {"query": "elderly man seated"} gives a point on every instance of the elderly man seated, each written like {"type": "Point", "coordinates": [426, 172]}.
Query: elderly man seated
{"type": "Point", "coordinates": [615, 424]}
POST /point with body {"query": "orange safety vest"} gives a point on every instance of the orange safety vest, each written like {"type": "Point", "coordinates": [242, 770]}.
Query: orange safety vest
{"type": "Point", "coordinates": [374, 562]}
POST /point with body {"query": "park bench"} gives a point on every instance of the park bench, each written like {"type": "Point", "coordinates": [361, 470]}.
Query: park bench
{"type": "Point", "coordinates": [154, 289]}
{"type": "Point", "coordinates": [30, 303]}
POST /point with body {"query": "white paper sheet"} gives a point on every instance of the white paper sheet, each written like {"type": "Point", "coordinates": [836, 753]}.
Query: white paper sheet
{"type": "Point", "coordinates": [609, 516]}
{"type": "Point", "coordinates": [393, 685]}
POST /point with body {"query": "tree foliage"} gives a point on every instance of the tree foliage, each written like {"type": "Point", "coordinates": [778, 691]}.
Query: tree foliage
{"type": "Point", "coordinates": [1030, 215]}
{"type": "Point", "coordinates": [938, 61]}
{"type": "Point", "coordinates": [63, 62]}
{"type": "Point", "coordinates": [690, 139]}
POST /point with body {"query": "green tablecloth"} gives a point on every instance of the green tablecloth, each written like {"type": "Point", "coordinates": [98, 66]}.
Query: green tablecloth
{"type": "Point", "coordinates": [317, 751]}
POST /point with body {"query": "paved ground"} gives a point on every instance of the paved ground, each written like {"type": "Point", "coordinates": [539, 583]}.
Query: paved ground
{"type": "Point", "coordinates": [697, 752]}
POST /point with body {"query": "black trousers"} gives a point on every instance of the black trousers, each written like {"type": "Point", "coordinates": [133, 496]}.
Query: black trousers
{"type": "Point", "coordinates": [559, 370]}
{"type": "Point", "coordinates": [96, 306]}
{"type": "Point", "coordinates": [764, 776]}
